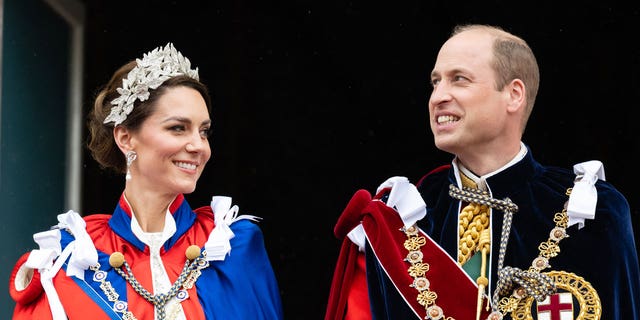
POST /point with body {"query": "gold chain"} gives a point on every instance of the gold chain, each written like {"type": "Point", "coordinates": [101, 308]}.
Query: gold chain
{"type": "Point", "coordinates": [417, 270]}
{"type": "Point", "coordinates": [548, 249]}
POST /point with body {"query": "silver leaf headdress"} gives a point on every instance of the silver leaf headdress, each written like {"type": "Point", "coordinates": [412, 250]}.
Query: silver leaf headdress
{"type": "Point", "coordinates": [155, 68]}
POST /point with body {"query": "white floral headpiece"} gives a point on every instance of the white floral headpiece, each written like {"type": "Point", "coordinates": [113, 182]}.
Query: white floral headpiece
{"type": "Point", "coordinates": [155, 68]}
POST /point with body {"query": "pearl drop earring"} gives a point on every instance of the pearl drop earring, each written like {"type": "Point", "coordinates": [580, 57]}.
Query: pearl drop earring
{"type": "Point", "coordinates": [131, 156]}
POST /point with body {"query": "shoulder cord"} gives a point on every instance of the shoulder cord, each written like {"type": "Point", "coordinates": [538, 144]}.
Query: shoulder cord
{"type": "Point", "coordinates": [535, 283]}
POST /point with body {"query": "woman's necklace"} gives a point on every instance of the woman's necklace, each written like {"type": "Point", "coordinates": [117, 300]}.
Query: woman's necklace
{"type": "Point", "coordinates": [195, 262]}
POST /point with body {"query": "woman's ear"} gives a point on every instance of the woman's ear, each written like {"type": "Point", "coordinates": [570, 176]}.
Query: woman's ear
{"type": "Point", "coordinates": [517, 96]}
{"type": "Point", "coordinates": [122, 137]}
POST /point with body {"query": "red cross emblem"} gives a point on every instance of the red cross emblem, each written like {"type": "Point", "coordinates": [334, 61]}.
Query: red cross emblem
{"type": "Point", "coordinates": [556, 306]}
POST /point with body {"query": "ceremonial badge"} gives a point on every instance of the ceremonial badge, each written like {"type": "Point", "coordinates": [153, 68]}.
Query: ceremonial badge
{"type": "Point", "coordinates": [575, 299]}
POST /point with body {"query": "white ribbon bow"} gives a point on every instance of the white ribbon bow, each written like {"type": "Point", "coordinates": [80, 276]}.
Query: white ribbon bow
{"type": "Point", "coordinates": [50, 249]}
{"type": "Point", "coordinates": [84, 254]}
{"type": "Point", "coordinates": [218, 245]}
{"type": "Point", "coordinates": [404, 198]}
{"type": "Point", "coordinates": [584, 196]}
{"type": "Point", "coordinates": [82, 251]}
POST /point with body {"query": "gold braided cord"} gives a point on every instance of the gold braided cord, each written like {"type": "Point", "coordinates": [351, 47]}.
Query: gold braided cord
{"type": "Point", "coordinates": [485, 240]}
{"type": "Point", "coordinates": [474, 218]}
{"type": "Point", "coordinates": [473, 229]}
{"type": "Point", "coordinates": [481, 197]}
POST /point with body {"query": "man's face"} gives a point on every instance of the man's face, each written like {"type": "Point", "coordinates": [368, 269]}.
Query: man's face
{"type": "Point", "coordinates": [466, 111]}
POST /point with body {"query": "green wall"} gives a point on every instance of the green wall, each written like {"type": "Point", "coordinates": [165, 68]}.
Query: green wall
{"type": "Point", "coordinates": [33, 121]}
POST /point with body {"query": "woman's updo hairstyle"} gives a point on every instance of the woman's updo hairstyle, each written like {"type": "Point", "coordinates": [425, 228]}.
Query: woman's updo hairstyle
{"type": "Point", "coordinates": [101, 141]}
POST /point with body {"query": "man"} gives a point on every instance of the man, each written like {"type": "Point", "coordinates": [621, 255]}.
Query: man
{"type": "Point", "coordinates": [494, 235]}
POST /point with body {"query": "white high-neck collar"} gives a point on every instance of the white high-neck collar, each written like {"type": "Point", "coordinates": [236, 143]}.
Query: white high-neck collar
{"type": "Point", "coordinates": [481, 181]}
{"type": "Point", "coordinates": [168, 230]}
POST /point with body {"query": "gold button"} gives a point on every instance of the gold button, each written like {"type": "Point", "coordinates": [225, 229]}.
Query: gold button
{"type": "Point", "coordinates": [116, 259]}
{"type": "Point", "coordinates": [192, 252]}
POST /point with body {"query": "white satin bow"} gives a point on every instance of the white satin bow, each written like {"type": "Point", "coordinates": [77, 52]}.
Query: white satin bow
{"type": "Point", "coordinates": [218, 245]}
{"type": "Point", "coordinates": [404, 198]}
{"type": "Point", "coordinates": [50, 258]}
{"type": "Point", "coordinates": [584, 196]}
{"type": "Point", "coordinates": [84, 254]}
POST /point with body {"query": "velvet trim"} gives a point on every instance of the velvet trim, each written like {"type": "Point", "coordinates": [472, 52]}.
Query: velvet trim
{"type": "Point", "coordinates": [603, 252]}
{"type": "Point", "coordinates": [453, 287]}
{"type": "Point", "coordinates": [345, 268]}
{"type": "Point", "coordinates": [390, 293]}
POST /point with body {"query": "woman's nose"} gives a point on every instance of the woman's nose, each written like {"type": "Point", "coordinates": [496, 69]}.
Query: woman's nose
{"type": "Point", "coordinates": [196, 143]}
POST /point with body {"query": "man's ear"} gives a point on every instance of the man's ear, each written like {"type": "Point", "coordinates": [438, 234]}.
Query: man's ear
{"type": "Point", "coordinates": [517, 96]}
{"type": "Point", "coordinates": [123, 138]}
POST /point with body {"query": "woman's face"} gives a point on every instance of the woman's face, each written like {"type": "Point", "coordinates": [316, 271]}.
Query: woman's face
{"type": "Point", "coordinates": [172, 143]}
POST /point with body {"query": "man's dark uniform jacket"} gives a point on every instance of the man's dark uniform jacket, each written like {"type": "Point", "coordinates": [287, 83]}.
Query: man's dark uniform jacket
{"type": "Point", "coordinates": [600, 256]}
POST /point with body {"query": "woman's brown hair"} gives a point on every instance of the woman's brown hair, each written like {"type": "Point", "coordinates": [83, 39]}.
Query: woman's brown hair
{"type": "Point", "coordinates": [101, 142]}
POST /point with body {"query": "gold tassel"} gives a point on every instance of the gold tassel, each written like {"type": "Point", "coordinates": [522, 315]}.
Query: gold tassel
{"type": "Point", "coordinates": [483, 281]}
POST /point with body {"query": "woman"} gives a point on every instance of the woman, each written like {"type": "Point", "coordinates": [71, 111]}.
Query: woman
{"type": "Point", "coordinates": [154, 257]}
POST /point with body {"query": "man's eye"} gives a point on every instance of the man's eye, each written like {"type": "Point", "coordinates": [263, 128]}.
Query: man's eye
{"type": "Point", "coordinates": [459, 78]}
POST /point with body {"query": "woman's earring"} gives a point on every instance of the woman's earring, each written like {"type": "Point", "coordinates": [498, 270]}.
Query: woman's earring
{"type": "Point", "coordinates": [131, 155]}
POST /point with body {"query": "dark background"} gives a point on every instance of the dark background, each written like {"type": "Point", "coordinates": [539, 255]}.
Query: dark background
{"type": "Point", "coordinates": [316, 99]}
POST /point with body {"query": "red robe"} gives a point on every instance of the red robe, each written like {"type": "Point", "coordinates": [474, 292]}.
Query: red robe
{"type": "Point", "coordinates": [242, 286]}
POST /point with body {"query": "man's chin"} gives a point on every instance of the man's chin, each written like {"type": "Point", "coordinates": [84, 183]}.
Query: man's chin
{"type": "Point", "coordinates": [445, 145]}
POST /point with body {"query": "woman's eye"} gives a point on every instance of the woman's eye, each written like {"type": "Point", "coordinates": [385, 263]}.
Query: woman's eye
{"type": "Point", "coordinates": [205, 132]}
{"type": "Point", "coordinates": [177, 128]}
